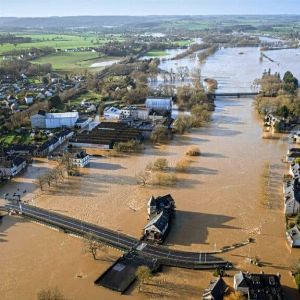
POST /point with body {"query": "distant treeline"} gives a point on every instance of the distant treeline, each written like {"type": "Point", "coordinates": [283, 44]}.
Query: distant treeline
{"type": "Point", "coordinates": [17, 67]}
{"type": "Point", "coordinates": [12, 39]}
{"type": "Point", "coordinates": [31, 53]}
{"type": "Point", "coordinates": [192, 49]}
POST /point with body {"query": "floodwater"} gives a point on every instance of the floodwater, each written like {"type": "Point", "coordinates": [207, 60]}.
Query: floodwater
{"type": "Point", "coordinates": [218, 203]}
{"type": "Point", "coordinates": [104, 63]}
{"type": "Point", "coordinates": [235, 69]}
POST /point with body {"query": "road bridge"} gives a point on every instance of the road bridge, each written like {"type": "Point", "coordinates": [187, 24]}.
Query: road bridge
{"type": "Point", "coordinates": [121, 241]}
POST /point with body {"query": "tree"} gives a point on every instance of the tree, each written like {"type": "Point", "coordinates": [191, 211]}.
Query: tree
{"type": "Point", "coordinates": [143, 274]}
{"type": "Point", "coordinates": [290, 83]}
{"type": "Point", "coordinates": [50, 294]}
{"type": "Point", "coordinates": [92, 246]}
{"type": "Point", "coordinates": [159, 134]}
{"type": "Point", "coordinates": [182, 124]}
{"type": "Point", "coordinates": [55, 102]}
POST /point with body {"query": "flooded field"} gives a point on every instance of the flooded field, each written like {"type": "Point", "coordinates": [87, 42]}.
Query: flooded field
{"type": "Point", "coordinates": [218, 204]}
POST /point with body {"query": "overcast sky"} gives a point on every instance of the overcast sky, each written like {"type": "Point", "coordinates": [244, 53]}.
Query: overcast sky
{"type": "Point", "coordinates": [42, 8]}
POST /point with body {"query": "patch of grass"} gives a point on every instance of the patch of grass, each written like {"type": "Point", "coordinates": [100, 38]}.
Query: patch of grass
{"type": "Point", "coordinates": [165, 179]}
{"type": "Point", "coordinates": [156, 53]}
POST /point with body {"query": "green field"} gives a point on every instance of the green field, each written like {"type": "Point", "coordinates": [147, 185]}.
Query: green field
{"type": "Point", "coordinates": [183, 43]}
{"type": "Point", "coordinates": [156, 53]}
{"type": "Point", "coordinates": [88, 96]}
{"type": "Point", "coordinates": [15, 138]}
{"type": "Point", "coordinates": [71, 61]}
{"type": "Point", "coordinates": [60, 41]}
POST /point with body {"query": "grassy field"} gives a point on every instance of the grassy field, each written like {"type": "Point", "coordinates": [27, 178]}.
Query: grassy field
{"type": "Point", "coordinates": [183, 43]}
{"type": "Point", "coordinates": [71, 61]}
{"type": "Point", "coordinates": [15, 138]}
{"type": "Point", "coordinates": [156, 53]}
{"type": "Point", "coordinates": [88, 96]}
{"type": "Point", "coordinates": [60, 41]}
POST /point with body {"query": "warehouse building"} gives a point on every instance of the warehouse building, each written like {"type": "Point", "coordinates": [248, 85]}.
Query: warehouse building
{"type": "Point", "coordinates": [45, 120]}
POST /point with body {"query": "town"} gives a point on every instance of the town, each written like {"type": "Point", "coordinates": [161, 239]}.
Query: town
{"type": "Point", "coordinates": [149, 157]}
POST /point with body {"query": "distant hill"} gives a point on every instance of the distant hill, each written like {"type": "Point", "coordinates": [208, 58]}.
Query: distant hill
{"type": "Point", "coordinates": [80, 21]}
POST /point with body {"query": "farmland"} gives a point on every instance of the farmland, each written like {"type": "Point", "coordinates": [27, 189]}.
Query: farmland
{"type": "Point", "coordinates": [61, 41]}
{"type": "Point", "coordinates": [71, 61]}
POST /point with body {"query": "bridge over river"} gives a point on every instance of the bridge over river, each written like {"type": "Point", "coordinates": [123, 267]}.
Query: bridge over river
{"type": "Point", "coordinates": [137, 252]}
{"type": "Point", "coordinates": [233, 94]}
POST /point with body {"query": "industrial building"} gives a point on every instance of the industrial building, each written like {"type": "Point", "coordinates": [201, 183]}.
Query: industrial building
{"type": "Point", "coordinates": [45, 120]}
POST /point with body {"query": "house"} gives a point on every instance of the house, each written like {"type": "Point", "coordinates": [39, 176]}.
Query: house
{"type": "Point", "coordinates": [156, 205]}
{"type": "Point", "coordinates": [160, 212]}
{"type": "Point", "coordinates": [11, 166]}
{"type": "Point", "coordinates": [81, 123]}
{"type": "Point", "coordinates": [54, 120]}
{"type": "Point", "coordinates": [129, 112]}
{"type": "Point", "coordinates": [291, 192]}
{"type": "Point", "coordinates": [28, 100]}
{"type": "Point", "coordinates": [111, 113]}
{"type": "Point", "coordinates": [216, 290]}
{"type": "Point", "coordinates": [156, 229]}
{"type": "Point", "coordinates": [278, 124]}
{"type": "Point", "coordinates": [80, 159]}
{"type": "Point", "coordinates": [294, 170]}
{"type": "Point", "coordinates": [290, 157]}
{"type": "Point", "coordinates": [47, 147]}
{"type": "Point", "coordinates": [19, 150]}
{"type": "Point", "coordinates": [293, 236]}
{"type": "Point", "coordinates": [258, 286]}
{"type": "Point", "coordinates": [64, 135]}
{"type": "Point", "coordinates": [159, 106]}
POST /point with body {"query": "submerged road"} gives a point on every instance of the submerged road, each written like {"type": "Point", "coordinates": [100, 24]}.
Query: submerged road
{"type": "Point", "coordinates": [164, 255]}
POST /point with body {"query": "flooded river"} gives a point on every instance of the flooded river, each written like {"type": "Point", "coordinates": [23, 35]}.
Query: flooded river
{"type": "Point", "coordinates": [235, 69]}
{"type": "Point", "coordinates": [219, 202]}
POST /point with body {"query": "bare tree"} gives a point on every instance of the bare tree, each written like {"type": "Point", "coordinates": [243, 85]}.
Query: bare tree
{"type": "Point", "coordinates": [143, 178]}
{"type": "Point", "coordinates": [92, 246]}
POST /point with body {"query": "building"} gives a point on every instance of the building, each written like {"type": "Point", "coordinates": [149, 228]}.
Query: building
{"type": "Point", "coordinates": [45, 120]}
{"type": "Point", "coordinates": [156, 205]}
{"type": "Point", "coordinates": [258, 286]}
{"type": "Point", "coordinates": [291, 193]}
{"type": "Point", "coordinates": [160, 212]}
{"type": "Point", "coordinates": [11, 166]}
{"type": "Point", "coordinates": [216, 290]}
{"type": "Point", "coordinates": [293, 237]}
{"type": "Point", "coordinates": [80, 159]}
{"type": "Point", "coordinates": [111, 113]}
{"type": "Point", "coordinates": [156, 229]}
{"type": "Point", "coordinates": [81, 123]}
{"type": "Point", "coordinates": [19, 150]}
{"type": "Point", "coordinates": [54, 142]}
{"type": "Point", "coordinates": [106, 135]}
{"type": "Point", "coordinates": [159, 106]}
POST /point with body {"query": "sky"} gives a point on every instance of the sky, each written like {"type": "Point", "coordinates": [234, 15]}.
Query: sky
{"type": "Point", "coordinates": [45, 8]}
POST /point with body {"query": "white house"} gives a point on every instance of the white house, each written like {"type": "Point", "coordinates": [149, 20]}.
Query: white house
{"type": "Point", "coordinates": [12, 167]}
{"type": "Point", "coordinates": [111, 113]}
{"type": "Point", "coordinates": [291, 197]}
{"type": "Point", "coordinates": [293, 236]}
{"type": "Point", "coordinates": [129, 112]}
{"type": "Point", "coordinates": [157, 227]}
{"type": "Point", "coordinates": [80, 159]}
{"type": "Point", "coordinates": [54, 120]}
{"type": "Point", "coordinates": [28, 100]}
{"type": "Point", "coordinates": [294, 170]}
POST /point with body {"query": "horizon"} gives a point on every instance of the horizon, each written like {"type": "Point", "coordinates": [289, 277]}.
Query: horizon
{"type": "Point", "coordinates": [57, 8]}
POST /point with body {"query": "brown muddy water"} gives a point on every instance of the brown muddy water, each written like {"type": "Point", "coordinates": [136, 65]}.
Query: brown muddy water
{"type": "Point", "coordinates": [218, 203]}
